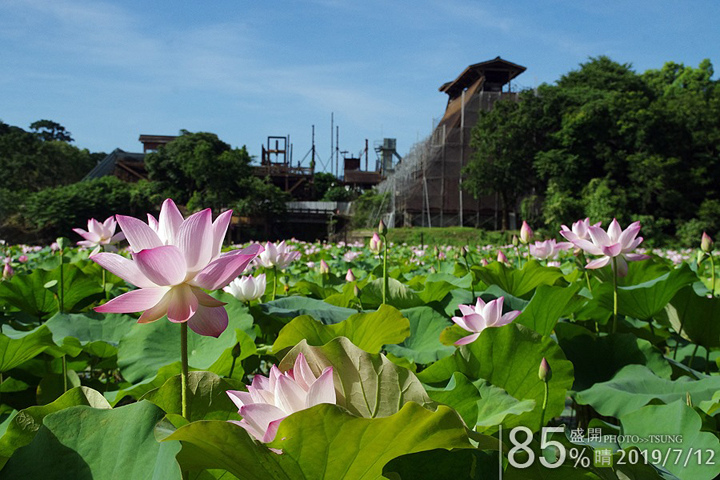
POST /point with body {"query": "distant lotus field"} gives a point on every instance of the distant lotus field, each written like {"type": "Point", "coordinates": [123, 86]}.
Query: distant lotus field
{"type": "Point", "coordinates": [150, 349]}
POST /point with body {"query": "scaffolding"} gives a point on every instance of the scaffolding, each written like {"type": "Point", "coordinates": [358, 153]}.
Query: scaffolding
{"type": "Point", "coordinates": [426, 187]}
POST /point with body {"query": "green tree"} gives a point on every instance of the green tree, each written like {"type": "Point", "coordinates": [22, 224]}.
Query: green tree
{"type": "Point", "coordinates": [49, 131]}
{"type": "Point", "coordinates": [31, 163]}
{"type": "Point", "coordinates": [200, 170]}
{"type": "Point", "coordinates": [504, 149]}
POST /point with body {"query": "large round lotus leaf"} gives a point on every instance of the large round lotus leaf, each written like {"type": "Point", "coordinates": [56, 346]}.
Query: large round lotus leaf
{"type": "Point", "coordinates": [85, 443]}
{"type": "Point", "coordinates": [323, 442]}
{"type": "Point", "coordinates": [369, 331]}
{"type": "Point", "coordinates": [635, 386]}
{"type": "Point", "coordinates": [509, 358]}
{"type": "Point", "coordinates": [675, 431]}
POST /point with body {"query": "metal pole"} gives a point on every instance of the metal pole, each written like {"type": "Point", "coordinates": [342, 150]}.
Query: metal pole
{"type": "Point", "coordinates": [332, 131]}
{"type": "Point", "coordinates": [462, 154]}
{"type": "Point", "coordinates": [337, 151]}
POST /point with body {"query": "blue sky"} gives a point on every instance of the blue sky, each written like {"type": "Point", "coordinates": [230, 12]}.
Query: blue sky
{"type": "Point", "coordinates": [111, 70]}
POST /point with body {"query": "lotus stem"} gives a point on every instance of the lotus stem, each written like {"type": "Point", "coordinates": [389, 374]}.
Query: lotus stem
{"type": "Point", "coordinates": [712, 275]}
{"type": "Point", "coordinates": [692, 357]}
{"type": "Point", "coordinates": [64, 373]}
{"type": "Point", "coordinates": [61, 292]}
{"type": "Point", "coordinates": [274, 282]}
{"type": "Point", "coordinates": [544, 405]}
{"type": "Point", "coordinates": [385, 272]}
{"type": "Point", "coordinates": [707, 361]}
{"type": "Point", "coordinates": [185, 409]}
{"type": "Point", "coordinates": [104, 285]}
{"type": "Point", "coordinates": [615, 295]}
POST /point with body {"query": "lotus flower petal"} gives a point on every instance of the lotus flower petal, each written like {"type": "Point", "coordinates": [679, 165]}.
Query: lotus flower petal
{"type": "Point", "coordinates": [468, 339]}
{"type": "Point", "coordinates": [133, 301]}
{"type": "Point", "coordinates": [322, 390]}
{"type": "Point", "coordinates": [162, 265]}
{"type": "Point", "coordinates": [123, 268]}
{"type": "Point", "coordinates": [209, 321]}
{"type": "Point", "coordinates": [139, 235]}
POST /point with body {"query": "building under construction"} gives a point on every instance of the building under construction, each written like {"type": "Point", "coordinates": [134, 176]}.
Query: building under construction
{"type": "Point", "coordinates": [426, 187]}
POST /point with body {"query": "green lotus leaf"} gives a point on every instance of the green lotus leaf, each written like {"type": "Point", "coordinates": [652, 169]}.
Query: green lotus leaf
{"type": "Point", "coordinates": [290, 307]}
{"type": "Point", "coordinates": [635, 386]}
{"type": "Point", "coordinates": [423, 345]}
{"type": "Point", "coordinates": [148, 347]}
{"type": "Point", "coordinates": [509, 357]}
{"type": "Point", "coordinates": [207, 399]}
{"type": "Point", "coordinates": [90, 443]}
{"type": "Point", "coordinates": [368, 331]}
{"type": "Point", "coordinates": [597, 358]}
{"type": "Point", "coordinates": [342, 446]}
{"type": "Point", "coordinates": [518, 282]}
{"type": "Point", "coordinates": [97, 333]}
{"type": "Point", "coordinates": [22, 429]}
{"type": "Point", "coordinates": [368, 385]}
{"type": "Point", "coordinates": [546, 307]}
{"type": "Point", "coordinates": [678, 431]}
{"type": "Point", "coordinates": [19, 347]}
{"type": "Point", "coordinates": [698, 317]}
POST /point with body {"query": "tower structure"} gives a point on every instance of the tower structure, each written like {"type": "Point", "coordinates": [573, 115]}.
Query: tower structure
{"type": "Point", "coordinates": [427, 184]}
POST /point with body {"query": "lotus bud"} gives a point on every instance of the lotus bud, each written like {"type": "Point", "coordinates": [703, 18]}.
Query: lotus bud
{"type": "Point", "coordinates": [63, 243]}
{"type": "Point", "coordinates": [236, 350]}
{"type": "Point", "coordinates": [382, 228]}
{"type": "Point", "coordinates": [432, 269]}
{"type": "Point", "coordinates": [526, 233]}
{"type": "Point", "coordinates": [501, 257]}
{"type": "Point", "coordinates": [464, 251]}
{"type": "Point", "coordinates": [545, 372]}
{"type": "Point", "coordinates": [515, 241]}
{"type": "Point", "coordinates": [324, 267]}
{"type": "Point", "coordinates": [436, 251]}
{"type": "Point", "coordinates": [7, 271]}
{"type": "Point", "coordinates": [376, 243]}
{"type": "Point", "coordinates": [484, 262]}
{"type": "Point", "coordinates": [22, 258]}
{"type": "Point", "coordinates": [356, 291]}
{"type": "Point", "coordinates": [706, 244]}
{"type": "Point", "coordinates": [350, 277]}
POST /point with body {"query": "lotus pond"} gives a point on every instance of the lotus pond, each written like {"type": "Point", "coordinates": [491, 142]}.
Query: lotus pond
{"type": "Point", "coordinates": [585, 359]}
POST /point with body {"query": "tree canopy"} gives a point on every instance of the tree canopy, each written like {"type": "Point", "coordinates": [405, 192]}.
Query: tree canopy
{"type": "Point", "coordinates": [604, 142]}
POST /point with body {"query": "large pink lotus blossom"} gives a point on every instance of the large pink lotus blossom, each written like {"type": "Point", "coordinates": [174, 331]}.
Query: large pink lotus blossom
{"type": "Point", "coordinates": [100, 235]}
{"type": "Point", "coordinates": [481, 316]}
{"type": "Point", "coordinates": [616, 244]}
{"type": "Point", "coordinates": [270, 399]}
{"type": "Point", "coordinates": [173, 260]}
{"type": "Point", "coordinates": [580, 230]}
{"type": "Point", "coordinates": [548, 249]}
{"type": "Point", "coordinates": [279, 256]}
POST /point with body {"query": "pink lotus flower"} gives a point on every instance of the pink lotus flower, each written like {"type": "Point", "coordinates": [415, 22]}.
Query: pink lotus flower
{"type": "Point", "coordinates": [482, 316]}
{"type": "Point", "coordinates": [23, 258]}
{"type": "Point", "coordinates": [279, 256]}
{"type": "Point", "coordinates": [270, 399]}
{"type": "Point", "coordinates": [580, 230]}
{"type": "Point", "coordinates": [99, 234]}
{"type": "Point", "coordinates": [172, 264]}
{"type": "Point", "coordinates": [7, 269]}
{"type": "Point", "coordinates": [615, 243]}
{"type": "Point", "coordinates": [247, 289]}
{"type": "Point", "coordinates": [548, 249]}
